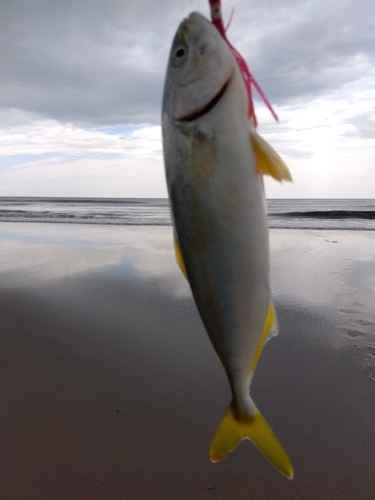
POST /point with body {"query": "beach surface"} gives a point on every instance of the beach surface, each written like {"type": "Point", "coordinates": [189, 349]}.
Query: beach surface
{"type": "Point", "coordinates": [109, 387]}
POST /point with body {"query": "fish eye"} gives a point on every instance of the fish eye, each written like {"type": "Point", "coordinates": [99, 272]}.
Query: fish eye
{"type": "Point", "coordinates": [179, 55]}
{"type": "Point", "coordinates": [215, 12]}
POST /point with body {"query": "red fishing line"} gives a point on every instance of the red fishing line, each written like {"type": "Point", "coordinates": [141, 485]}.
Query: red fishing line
{"type": "Point", "coordinates": [217, 21]}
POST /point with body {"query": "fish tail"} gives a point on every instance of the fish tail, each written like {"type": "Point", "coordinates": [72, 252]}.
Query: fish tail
{"type": "Point", "coordinates": [232, 431]}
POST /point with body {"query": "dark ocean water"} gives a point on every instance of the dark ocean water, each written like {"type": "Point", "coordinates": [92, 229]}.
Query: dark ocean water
{"type": "Point", "coordinates": [288, 214]}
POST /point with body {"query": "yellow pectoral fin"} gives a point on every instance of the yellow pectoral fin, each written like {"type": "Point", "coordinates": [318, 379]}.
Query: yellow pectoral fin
{"type": "Point", "coordinates": [268, 162]}
{"type": "Point", "coordinates": [179, 258]}
{"type": "Point", "coordinates": [270, 330]}
{"type": "Point", "coordinates": [232, 431]}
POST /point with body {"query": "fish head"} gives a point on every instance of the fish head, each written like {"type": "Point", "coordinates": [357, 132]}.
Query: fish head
{"type": "Point", "coordinates": [200, 64]}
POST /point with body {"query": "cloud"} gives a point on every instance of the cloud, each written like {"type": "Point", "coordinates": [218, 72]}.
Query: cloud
{"type": "Point", "coordinates": [364, 124]}
{"type": "Point", "coordinates": [328, 144]}
{"type": "Point", "coordinates": [51, 136]}
{"type": "Point", "coordinates": [99, 62]}
{"type": "Point", "coordinates": [299, 49]}
{"type": "Point", "coordinates": [82, 84]}
{"type": "Point", "coordinates": [93, 62]}
{"type": "Point", "coordinates": [53, 159]}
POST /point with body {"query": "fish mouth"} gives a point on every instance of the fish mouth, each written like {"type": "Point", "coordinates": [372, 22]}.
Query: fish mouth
{"type": "Point", "coordinates": [207, 108]}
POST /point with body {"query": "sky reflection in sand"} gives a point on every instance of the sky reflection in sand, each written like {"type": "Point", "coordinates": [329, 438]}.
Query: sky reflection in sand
{"type": "Point", "coordinates": [39, 252]}
{"type": "Point", "coordinates": [327, 278]}
{"type": "Point", "coordinates": [309, 268]}
{"type": "Point", "coordinates": [323, 267]}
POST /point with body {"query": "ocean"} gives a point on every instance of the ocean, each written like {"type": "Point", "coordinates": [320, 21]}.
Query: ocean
{"type": "Point", "coordinates": [352, 214]}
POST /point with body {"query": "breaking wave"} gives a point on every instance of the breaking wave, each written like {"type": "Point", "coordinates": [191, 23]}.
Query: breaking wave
{"type": "Point", "coordinates": [331, 214]}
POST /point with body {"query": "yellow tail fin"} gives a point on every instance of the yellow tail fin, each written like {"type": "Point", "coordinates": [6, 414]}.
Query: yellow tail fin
{"type": "Point", "coordinates": [232, 431]}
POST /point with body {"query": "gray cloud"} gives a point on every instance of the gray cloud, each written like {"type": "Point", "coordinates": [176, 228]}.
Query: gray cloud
{"type": "Point", "coordinates": [364, 125]}
{"type": "Point", "coordinates": [97, 61]}
{"type": "Point", "coordinates": [305, 48]}
{"type": "Point", "coordinates": [102, 62]}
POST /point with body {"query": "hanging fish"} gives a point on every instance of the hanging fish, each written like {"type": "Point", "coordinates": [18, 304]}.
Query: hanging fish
{"type": "Point", "coordinates": [214, 161]}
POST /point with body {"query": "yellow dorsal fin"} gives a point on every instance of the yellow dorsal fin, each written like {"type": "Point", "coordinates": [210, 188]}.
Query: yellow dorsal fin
{"type": "Point", "coordinates": [270, 330]}
{"type": "Point", "coordinates": [232, 431]}
{"type": "Point", "coordinates": [179, 258]}
{"type": "Point", "coordinates": [268, 162]}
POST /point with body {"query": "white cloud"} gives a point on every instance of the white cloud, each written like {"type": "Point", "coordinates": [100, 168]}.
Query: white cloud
{"type": "Point", "coordinates": [50, 136]}
{"type": "Point", "coordinates": [82, 162]}
{"type": "Point", "coordinates": [328, 152]}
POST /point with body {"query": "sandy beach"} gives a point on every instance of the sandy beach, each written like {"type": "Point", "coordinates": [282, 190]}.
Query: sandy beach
{"type": "Point", "coordinates": [110, 389]}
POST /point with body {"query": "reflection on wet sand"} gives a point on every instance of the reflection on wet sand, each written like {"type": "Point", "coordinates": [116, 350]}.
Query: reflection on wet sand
{"type": "Point", "coordinates": [45, 252]}
{"type": "Point", "coordinates": [330, 276]}
{"type": "Point", "coordinates": [109, 384]}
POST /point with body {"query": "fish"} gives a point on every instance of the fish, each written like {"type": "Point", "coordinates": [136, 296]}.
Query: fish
{"type": "Point", "coordinates": [214, 165]}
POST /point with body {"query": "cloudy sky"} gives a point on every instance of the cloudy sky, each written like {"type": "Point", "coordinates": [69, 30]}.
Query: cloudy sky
{"type": "Point", "coordinates": [81, 84]}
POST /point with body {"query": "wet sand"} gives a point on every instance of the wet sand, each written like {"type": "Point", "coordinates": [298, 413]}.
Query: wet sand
{"type": "Point", "coordinates": [109, 388]}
